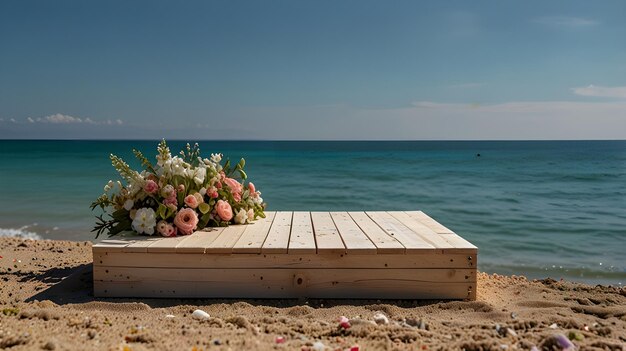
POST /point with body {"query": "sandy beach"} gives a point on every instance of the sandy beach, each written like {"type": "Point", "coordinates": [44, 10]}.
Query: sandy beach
{"type": "Point", "coordinates": [47, 303]}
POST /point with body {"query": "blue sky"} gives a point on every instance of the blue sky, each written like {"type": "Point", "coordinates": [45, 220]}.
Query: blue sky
{"type": "Point", "coordinates": [313, 69]}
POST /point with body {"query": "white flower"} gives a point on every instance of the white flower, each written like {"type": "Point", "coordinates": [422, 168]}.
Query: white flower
{"type": "Point", "coordinates": [179, 167]}
{"type": "Point", "coordinates": [199, 175]}
{"type": "Point", "coordinates": [145, 221]}
{"type": "Point", "coordinates": [128, 204]}
{"type": "Point", "coordinates": [257, 200]}
{"type": "Point", "coordinates": [241, 216]}
{"type": "Point", "coordinates": [216, 158]}
{"type": "Point", "coordinates": [202, 191]}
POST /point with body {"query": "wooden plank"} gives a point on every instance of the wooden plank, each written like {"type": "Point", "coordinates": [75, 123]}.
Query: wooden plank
{"type": "Point", "coordinates": [141, 244]}
{"type": "Point", "coordinates": [225, 241]}
{"type": "Point", "coordinates": [326, 234]}
{"type": "Point", "coordinates": [277, 240]}
{"type": "Point", "coordinates": [353, 237]}
{"type": "Point", "coordinates": [166, 244]}
{"type": "Point", "coordinates": [254, 236]}
{"type": "Point", "coordinates": [385, 244]}
{"type": "Point", "coordinates": [301, 240]}
{"type": "Point", "coordinates": [315, 283]}
{"type": "Point", "coordinates": [412, 242]}
{"type": "Point", "coordinates": [421, 230]}
{"type": "Point", "coordinates": [458, 242]}
{"type": "Point", "coordinates": [407, 290]}
{"type": "Point", "coordinates": [429, 222]}
{"type": "Point", "coordinates": [364, 261]}
{"type": "Point", "coordinates": [114, 245]}
{"type": "Point", "coordinates": [198, 241]}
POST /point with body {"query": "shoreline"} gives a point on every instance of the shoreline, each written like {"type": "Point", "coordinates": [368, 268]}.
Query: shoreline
{"type": "Point", "coordinates": [47, 302]}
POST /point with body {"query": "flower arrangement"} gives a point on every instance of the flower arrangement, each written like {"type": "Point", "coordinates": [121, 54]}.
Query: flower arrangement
{"type": "Point", "coordinates": [178, 195]}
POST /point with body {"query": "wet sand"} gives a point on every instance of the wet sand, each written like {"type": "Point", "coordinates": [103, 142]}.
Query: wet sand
{"type": "Point", "coordinates": [46, 302]}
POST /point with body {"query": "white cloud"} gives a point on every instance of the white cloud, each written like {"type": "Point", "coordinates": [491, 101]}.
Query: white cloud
{"type": "Point", "coordinates": [60, 118]}
{"type": "Point", "coordinates": [566, 21]}
{"type": "Point", "coordinates": [598, 91]}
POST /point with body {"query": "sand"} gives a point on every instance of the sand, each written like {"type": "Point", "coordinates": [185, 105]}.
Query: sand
{"type": "Point", "coordinates": [46, 302]}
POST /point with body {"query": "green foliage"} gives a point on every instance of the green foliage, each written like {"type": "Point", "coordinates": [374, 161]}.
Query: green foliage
{"type": "Point", "coordinates": [103, 202]}
{"type": "Point", "coordinates": [123, 169]}
{"type": "Point", "coordinates": [144, 161]}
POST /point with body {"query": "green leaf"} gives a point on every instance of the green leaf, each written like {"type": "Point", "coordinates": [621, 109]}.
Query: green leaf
{"type": "Point", "coordinates": [242, 174]}
{"type": "Point", "coordinates": [227, 166]}
{"type": "Point", "coordinates": [204, 208]}
{"type": "Point", "coordinates": [162, 211]}
{"type": "Point", "coordinates": [241, 163]}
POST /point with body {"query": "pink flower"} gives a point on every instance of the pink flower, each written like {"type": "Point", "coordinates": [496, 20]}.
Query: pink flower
{"type": "Point", "coordinates": [166, 229]}
{"type": "Point", "coordinates": [168, 191]}
{"type": "Point", "coordinates": [191, 201]}
{"type": "Point", "coordinates": [186, 220]}
{"type": "Point", "coordinates": [252, 188]}
{"type": "Point", "coordinates": [171, 230]}
{"type": "Point", "coordinates": [250, 215]}
{"type": "Point", "coordinates": [237, 196]}
{"type": "Point", "coordinates": [170, 201]}
{"type": "Point", "coordinates": [151, 187]}
{"type": "Point", "coordinates": [162, 228]}
{"type": "Point", "coordinates": [181, 188]}
{"type": "Point", "coordinates": [224, 210]}
{"type": "Point", "coordinates": [213, 192]}
{"type": "Point", "coordinates": [234, 185]}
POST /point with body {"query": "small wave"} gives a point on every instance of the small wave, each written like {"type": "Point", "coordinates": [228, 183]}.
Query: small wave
{"type": "Point", "coordinates": [19, 233]}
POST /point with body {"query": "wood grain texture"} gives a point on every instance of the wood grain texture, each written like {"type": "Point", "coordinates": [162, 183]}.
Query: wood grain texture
{"type": "Point", "coordinates": [277, 240]}
{"type": "Point", "coordinates": [302, 239]}
{"type": "Point", "coordinates": [353, 237]}
{"type": "Point", "coordinates": [327, 236]}
{"type": "Point", "coordinates": [385, 243]}
{"type": "Point", "coordinates": [401, 232]}
{"type": "Point", "coordinates": [253, 237]}
{"type": "Point", "coordinates": [315, 283]}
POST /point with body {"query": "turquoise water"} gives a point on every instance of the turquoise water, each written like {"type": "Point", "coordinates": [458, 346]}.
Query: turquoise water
{"type": "Point", "coordinates": [537, 208]}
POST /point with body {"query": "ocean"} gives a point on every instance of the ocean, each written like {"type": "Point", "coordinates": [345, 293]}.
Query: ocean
{"type": "Point", "coordinates": [536, 208]}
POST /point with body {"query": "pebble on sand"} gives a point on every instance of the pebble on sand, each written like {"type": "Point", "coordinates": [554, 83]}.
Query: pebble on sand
{"type": "Point", "coordinates": [381, 319]}
{"type": "Point", "coordinates": [200, 314]}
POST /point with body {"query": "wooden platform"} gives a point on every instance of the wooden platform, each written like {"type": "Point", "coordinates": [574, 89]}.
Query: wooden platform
{"type": "Point", "coordinates": [381, 255]}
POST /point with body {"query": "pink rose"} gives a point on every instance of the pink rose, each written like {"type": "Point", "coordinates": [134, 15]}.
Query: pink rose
{"type": "Point", "coordinates": [234, 185]}
{"type": "Point", "coordinates": [237, 196]}
{"type": "Point", "coordinates": [224, 210]}
{"type": "Point", "coordinates": [151, 187]}
{"type": "Point", "coordinates": [181, 188]}
{"type": "Point", "coordinates": [250, 215]}
{"type": "Point", "coordinates": [191, 201]}
{"type": "Point", "coordinates": [252, 188]}
{"type": "Point", "coordinates": [186, 220]}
